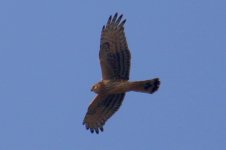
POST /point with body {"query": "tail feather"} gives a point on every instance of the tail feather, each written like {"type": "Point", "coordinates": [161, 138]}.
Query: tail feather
{"type": "Point", "coordinates": [147, 86]}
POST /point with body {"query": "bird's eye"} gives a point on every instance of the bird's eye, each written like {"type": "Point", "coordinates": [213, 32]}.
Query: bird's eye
{"type": "Point", "coordinates": [94, 87]}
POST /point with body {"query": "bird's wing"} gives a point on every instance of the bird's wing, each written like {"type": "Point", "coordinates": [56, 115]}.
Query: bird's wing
{"type": "Point", "coordinates": [114, 53]}
{"type": "Point", "coordinates": [101, 109]}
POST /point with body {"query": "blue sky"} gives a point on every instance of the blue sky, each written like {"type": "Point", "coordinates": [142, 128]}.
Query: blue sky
{"type": "Point", "coordinates": [49, 61]}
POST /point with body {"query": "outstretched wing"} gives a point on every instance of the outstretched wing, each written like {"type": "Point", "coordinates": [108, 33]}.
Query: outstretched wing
{"type": "Point", "coordinates": [101, 109]}
{"type": "Point", "coordinates": [114, 53]}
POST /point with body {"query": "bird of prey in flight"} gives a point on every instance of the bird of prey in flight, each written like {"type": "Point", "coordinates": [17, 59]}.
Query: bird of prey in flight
{"type": "Point", "coordinates": [114, 56]}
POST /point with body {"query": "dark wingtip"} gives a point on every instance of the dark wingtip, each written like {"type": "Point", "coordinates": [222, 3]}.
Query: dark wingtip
{"type": "Point", "coordinates": [103, 28]}
{"type": "Point", "coordinates": [115, 16]}
{"type": "Point", "coordinates": [109, 20]}
{"type": "Point", "coordinates": [91, 130]}
{"type": "Point", "coordinates": [114, 20]}
{"type": "Point", "coordinates": [101, 129]}
{"type": "Point", "coordinates": [119, 19]}
{"type": "Point", "coordinates": [156, 85]}
{"type": "Point", "coordinates": [97, 131]}
{"type": "Point", "coordinates": [123, 22]}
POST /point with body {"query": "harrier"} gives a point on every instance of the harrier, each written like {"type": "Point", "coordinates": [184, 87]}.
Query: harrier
{"type": "Point", "coordinates": [114, 58]}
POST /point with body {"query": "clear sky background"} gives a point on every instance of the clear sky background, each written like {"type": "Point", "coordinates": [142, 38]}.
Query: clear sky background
{"type": "Point", "coordinates": [49, 60]}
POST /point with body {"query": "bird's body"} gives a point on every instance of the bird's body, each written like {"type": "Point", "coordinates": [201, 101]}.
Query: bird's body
{"type": "Point", "coordinates": [110, 87]}
{"type": "Point", "coordinates": [121, 86]}
{"type": "Point", "coordinates": [115, 63]}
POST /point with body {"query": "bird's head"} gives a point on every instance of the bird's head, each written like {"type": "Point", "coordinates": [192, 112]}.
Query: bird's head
{"type": "Point", "coordinates": [96, 88]}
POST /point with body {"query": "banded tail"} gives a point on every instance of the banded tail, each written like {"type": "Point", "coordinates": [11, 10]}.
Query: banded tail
{"type": "Point", "coordinates": [146, 86]}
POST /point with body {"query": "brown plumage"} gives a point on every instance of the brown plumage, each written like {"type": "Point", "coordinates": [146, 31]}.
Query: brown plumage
{"type": "Point", "coordinates": [115, 59]}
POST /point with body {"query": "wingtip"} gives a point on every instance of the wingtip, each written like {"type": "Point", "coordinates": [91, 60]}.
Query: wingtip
{"type": "Point", "coordinates": [103, 27]}
{"type": "Point", "coordinates": [101, 129]}
{"type": "Point", "coordinates": [115, 17]}
{"type": "Point", "coordinates": [97, 131]}
{"type": "Point", "coordinates": [109, 20]}
{"type": "Point", "coordinates": [91, 130]}
{"type": "Point", "coordinates": [157, 83]}
{"type": "Point", "coordinates": [123, 22]}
